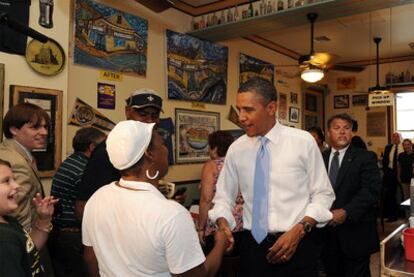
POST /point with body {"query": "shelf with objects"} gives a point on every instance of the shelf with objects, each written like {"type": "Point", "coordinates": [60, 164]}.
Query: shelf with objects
{"type": "Point", "coordinates": [288, 17]}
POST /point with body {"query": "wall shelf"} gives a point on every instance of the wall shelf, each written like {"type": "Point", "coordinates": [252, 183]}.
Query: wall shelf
{"type": "Point", "coordinates": [327, 9]}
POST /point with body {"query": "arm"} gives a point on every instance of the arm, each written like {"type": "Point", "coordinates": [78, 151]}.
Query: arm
{"type": "Point", "coordinates": [42, 226]}
{"type": "Point", "coordinates": [285, 246]}
{"type": "Point", "coordinates": [79, 209]}
{"type": "Point", "coordinates": [370, 185]}
{"type": "Point", "coordinates": [321, 194]}
{"type": "Point", "coordinates": [207, 194]}
{"type": "Point", "coordinates": [183, 252]}
{"type": "Point", "coordinates": [227, 188]}
{"type": "Point", "coordinates": [399, 172]}
{"type": "Point", "coordinates": [91, 261]}
{"type": "Point", "coordinates": [213, 261]}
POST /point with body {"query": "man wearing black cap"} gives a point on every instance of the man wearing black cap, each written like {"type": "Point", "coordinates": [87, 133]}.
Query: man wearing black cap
{"type": "Point", "coordinates": [143, 105]}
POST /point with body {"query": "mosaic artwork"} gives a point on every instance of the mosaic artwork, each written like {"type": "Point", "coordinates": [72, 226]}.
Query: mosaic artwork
{"type": "Point", "coordinates": [110, 39]}
{"type": "Point", "coordinates": [253, 67]}
{"type": "Point", "coordinates": [197, 69]}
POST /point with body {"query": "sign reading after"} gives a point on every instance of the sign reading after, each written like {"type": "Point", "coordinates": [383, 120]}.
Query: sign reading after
{"type": "Point", "coordinates": [381, 99]}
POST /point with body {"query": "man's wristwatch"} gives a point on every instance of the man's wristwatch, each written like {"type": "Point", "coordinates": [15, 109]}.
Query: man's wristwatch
{"type": "Point", "coordinates": [307, 227]}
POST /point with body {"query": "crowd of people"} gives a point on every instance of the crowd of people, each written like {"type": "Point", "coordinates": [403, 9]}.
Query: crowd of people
{"type": "Point", "coordinates": [286, 201]}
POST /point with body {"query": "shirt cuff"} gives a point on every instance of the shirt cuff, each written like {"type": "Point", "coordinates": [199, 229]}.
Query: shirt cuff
{"type": "Point", "coordinates": [320, 214]}
{"type": "Point", "coordinates": [216, 213]}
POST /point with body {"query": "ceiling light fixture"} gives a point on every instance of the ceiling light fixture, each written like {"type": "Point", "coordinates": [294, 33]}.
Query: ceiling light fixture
{"type": "Point", "coordinates": [312, 75]}
{"type": "Point", "coordinates": [378, 88]}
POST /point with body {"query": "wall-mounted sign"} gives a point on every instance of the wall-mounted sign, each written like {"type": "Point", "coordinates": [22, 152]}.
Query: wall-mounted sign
{"type": "Point", "coordinates": [110, 76]}
{"type": "Point", "coordinates": [381, 99]}
{"type": "Point", "coordinates": [106, 96]}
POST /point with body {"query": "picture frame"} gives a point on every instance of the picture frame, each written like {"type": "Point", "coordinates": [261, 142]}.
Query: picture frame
{"type": "Point", "coordinates": [293, 98]}
{"type": "Point", "coordinates": [48, 159]}
{"type": "Point", "coordinates": [341, 101]}
{"type": "Point", "coordinates": [192, 130]}
{"type": "Point", "coordinates": [294, 114]}
{"type": "Point", "coordinates": [360, 100]}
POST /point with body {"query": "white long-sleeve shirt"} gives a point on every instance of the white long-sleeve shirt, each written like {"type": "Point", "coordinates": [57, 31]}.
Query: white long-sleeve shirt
{"type": "Point", "coordinates": [299, 185]}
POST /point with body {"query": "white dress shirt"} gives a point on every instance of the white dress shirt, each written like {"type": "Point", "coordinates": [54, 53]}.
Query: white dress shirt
{"type": "Point", "coordinates": [299, 185]}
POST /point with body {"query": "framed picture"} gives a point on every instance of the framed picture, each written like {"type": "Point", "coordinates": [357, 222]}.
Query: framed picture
{"type": "Point", "coordinates": [343, 83]}
{"type": "Point", "coordinates": [197, 69]}
{"type": "Point", "coordinates": [294, 114]}
{"type": "Point", "coordinates": [341, 102]}
{"type": "Point", "coordinates": [250, 67]}
{"type": "Point", "coordinates": [192, 130]}
{"type": "Point", "coordinates": [311, 102]}
{"type": "Point", "coordinates": [50, 100]}
{"type": "Point", "coordinates": [293, 98]}
{"type": "Point", "coordinates": [360, 100]}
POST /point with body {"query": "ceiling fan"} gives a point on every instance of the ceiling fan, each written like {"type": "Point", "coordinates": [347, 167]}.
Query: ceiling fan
{"type": "Point", "coordinates": [157, 5]}
{"type": "Point", "coordinates": [314, 64]}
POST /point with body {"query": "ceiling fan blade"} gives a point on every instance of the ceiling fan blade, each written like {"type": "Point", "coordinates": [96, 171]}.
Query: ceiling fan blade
{"type": "Point", "coordinates": [349, 68]}
{"type": "Point", "coordinates": [156, 6]}
{"type": "Point", "coordinates": [322, 59]}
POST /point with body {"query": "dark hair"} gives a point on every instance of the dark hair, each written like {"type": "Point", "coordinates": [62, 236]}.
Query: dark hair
{"type": "Point", "coordinates": [354, 125]}
{"type": "Point", "coordinates": [260, 86]}
{"type": "Point", "coordinates": [318, 131]}
{"type": "Point", "coordinates": [85, 136]}
{"type": "Point", "coordinates": [21, 114]}
{"type": "Point", "coordinates": [343, 116]}
{"type": "Point", "coordinates": [409, 140]}
{"type": "Point", "coordinates": [5, 163]}
{"type": "Point", "coordinates": [221, 140]}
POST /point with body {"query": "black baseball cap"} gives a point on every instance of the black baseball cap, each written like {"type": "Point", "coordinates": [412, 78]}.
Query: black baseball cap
{"type": "Point", "coordinates": [143, 98]}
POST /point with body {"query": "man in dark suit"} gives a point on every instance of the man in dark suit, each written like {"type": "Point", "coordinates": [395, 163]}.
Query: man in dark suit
{"type": "Point", "coordinates": [351, 236]}
{"type": "Point", "coordinates": [390, 181]}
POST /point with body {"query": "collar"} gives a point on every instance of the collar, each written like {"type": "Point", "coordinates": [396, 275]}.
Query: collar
{"type": "Point", "coordinates": [135, 185]}
{"type": "Point", "coordinates": [28, 153]}
{"type": "Point", "coordinates": [341, 151]}
{"type": "Point", "coordinates": [274, 133]}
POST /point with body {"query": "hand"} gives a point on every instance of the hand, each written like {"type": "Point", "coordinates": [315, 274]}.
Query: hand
{"type": "Point", "coordinates": [220, 238]}
{"type": "Point", "coordinates": [338, 217]}
{"type": "Point", "coordinates": [284, 248]}
{"type": "Point", "coordinates": [224, 227]}
{"type": "Point", "coordinates": [44, 207]}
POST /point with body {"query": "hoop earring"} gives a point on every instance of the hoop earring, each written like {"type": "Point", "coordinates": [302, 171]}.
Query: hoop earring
{"type": "Point", "coordinates": [152, 177]}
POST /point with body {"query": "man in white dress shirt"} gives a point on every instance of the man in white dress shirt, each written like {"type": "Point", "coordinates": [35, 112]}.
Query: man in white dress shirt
{"type": "Point", "coordinates": [299, 192]}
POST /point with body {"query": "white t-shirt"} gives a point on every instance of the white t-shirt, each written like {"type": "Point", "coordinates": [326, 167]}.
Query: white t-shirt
{"type": "Point", "coordinates": [139, 233]}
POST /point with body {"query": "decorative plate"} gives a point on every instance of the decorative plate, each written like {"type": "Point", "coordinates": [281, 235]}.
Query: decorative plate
{"type": "Point", "coordinates": [45, 58]}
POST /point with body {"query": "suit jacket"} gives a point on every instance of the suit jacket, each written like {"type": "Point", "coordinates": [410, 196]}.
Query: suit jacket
{"type": "Point", "coordinates": [26, 177]}
{"type": "Point", "coordinates": [386, 157]}
{"type": "Point", "coordinates": [357, 191]}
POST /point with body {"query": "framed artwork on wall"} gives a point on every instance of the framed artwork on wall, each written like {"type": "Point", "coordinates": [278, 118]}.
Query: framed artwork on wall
{"type": "Point", "coordinates": [110, 39]}
{"type": "Point", "coordinates": [48, 159]}
{"type": "Point", "coordinates": [197, 69]}
{"type": "Point", "coordinates": [250, 67]}
{"type": "Point", "coordinates": [192, 130]}
{"type": "Point", "coordinates": [294, 114]}
{"type": "Point", "coordinates": [341, 101]}
{"type": "Point", "coordinates": [360, 100]}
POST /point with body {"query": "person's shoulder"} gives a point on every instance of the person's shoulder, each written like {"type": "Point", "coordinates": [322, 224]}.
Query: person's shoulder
{"type": "Point", "coordinates": [11, 231]}
{"type": "Point", "coordinates": [295, 133]}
